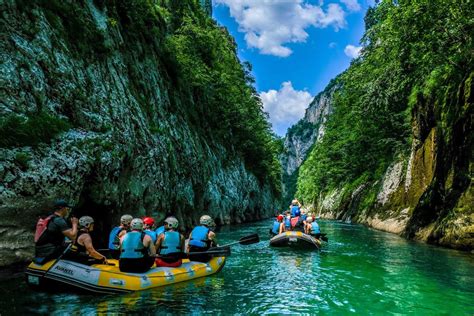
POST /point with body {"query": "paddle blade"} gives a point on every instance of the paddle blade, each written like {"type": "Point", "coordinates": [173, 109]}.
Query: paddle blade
{"type": "Point", "coordinates": [250, 239]}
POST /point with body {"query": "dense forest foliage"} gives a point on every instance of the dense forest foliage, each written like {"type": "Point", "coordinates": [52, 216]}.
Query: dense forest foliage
{"type": "Point", "coordinates": [206, 67]}
{"type": "Point", "coordinates": [415, 52]}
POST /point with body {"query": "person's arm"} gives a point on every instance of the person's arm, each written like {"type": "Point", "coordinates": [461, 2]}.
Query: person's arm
{"type": "Point", "coordinates": [190, 236]}
{"type": "Point", "coordinates": [159, 241]}
{"type": "Point", "coordinates": [70, 233]}
{"type": "Point", "coordinates": [122, 233]}
{"type": "Point", "coordinates": [87, 241]}
{"type": "Point", "coordinates": [212, 237]}
{"type": "Point", "coordinates": [148, 243]}
{"type": "Point", "coordinates": [282, 228]}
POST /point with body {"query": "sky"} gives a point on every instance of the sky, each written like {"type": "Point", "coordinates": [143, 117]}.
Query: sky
{"type": "Point", "coordinates": [295, 47]}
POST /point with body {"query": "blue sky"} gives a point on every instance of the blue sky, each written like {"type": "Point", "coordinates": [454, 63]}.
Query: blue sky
{"type": "Point", "coordinates": [295, 47]}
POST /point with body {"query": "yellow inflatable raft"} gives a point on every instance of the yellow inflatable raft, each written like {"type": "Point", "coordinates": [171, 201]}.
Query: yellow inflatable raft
{"type": "Point", "coordinates": [101, 278]}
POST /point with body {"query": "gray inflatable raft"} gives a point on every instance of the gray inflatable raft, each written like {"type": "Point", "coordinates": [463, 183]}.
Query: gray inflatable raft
{"type": "Point", "coordinates": [295, 239]}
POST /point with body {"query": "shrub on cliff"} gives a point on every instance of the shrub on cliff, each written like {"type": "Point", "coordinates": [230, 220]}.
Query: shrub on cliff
{"type": "Point", "coordinates": [19, 131]}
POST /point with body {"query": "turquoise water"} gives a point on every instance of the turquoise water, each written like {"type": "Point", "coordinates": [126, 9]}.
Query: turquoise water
{"type": "Point", "coordinates": [360, 271]}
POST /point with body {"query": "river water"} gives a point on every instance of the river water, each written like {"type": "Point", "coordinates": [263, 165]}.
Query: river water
{"type": "Point", "coordinates": [360, 271]}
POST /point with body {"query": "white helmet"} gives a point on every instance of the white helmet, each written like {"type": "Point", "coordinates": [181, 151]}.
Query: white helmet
{"type": "Point", "coordinates": [206, 220]}
{"type": "Point", "coordinates": [137, 224]}
{"type": "Point", "coordinates": [171, 222]}
{"type": "Point", "coordinates": [309, 219]}
{"type": "Point", "coordinates": [126, 219]}
{"type": "Point", "coordinates": [86, 221]}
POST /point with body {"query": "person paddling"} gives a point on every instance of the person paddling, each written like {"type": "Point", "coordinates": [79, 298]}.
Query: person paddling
{"type": "Point", "coordinates": [137, 249]}
{"type": "Point", "coordinates": [202, 238]}
{"type": "Point", "coordinates": [82, 249]}
{"type": "Point", "coordinates": [50, 233]}
{"type": "Point", "coordinates": [170, 245]}
{"type": "Point", "coordinates": [117, 233]}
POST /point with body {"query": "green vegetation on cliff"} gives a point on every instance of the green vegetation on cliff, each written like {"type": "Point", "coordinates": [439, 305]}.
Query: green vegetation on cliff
{"type": "Point", "coordinates": [226, 105]}
{"type": "Point", "coordinates": [415, 56]}
{"type": "Point", "coordinates": [209, 88]}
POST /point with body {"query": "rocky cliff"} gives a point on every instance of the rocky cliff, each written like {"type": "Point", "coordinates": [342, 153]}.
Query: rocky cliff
{"type": "Point", "coordinates": [90, 113]}
{"type": "Point", "coordinates": [301, 137]}
{"type": "Point", "coordinates": [427, 194]}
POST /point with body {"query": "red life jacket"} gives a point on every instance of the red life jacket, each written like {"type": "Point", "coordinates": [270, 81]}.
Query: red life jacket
{"type": "Point", "coordinates": [294, 221]}
{"type": "Point", "coordinates": [42, 226]}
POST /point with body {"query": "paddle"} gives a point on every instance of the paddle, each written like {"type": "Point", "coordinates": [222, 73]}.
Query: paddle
{"type": "Point", "coordinates": [247, 240]}
{"type": "Point", "coordinates": [322, 236]}
{"type": "Point", "coordinates": [59, 258]}
{"type": "Point", "coordinates": [213, 252]}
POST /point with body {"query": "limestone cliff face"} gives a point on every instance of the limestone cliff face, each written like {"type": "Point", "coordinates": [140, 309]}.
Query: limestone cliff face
{"type": "Point", "coordinates": [129, 148]}
{"type": "Point", "coordinates": [301, 137]}
{"type": "Point", "coordinates": [427, 194]}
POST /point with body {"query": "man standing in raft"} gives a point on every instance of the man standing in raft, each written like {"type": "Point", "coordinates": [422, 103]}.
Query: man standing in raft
{"type": "Point", "coordinates": [295, 207]}
{"type": "Point", "coordinates": [202, 238]}
{"type": "Point", "coordinates": [50, 233]}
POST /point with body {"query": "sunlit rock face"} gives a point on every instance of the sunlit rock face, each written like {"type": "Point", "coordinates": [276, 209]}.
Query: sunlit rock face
{"type": "Point", "coordinates": [128, 148]}
{"type": "Point", "coordinates": [301, 137]}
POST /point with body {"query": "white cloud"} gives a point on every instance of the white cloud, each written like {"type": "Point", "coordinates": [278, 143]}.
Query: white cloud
{"type": "Point", "coordinates": [285, 106]}
{"type": "Point", "coordinates": [352, 5]}
{"type": "Point", "coordinates": [352, 51]}
{"type": "Point", "coordinates": [269, 24]}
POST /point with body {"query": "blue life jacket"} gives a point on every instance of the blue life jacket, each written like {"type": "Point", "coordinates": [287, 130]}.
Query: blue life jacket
{"type": "Point", "coordinates": [276, 227]}
{"type": "Point", "coordinates": [160, 230]}
{"type": "Point", "coordinates": [199, 237]}
{"type": "Point", "coordinates": [315, 228]}
{"type": "Point", "coordinates": [303, 217]}
{"type": "Point", "coordinates": [171, 243]}
{"type": "Point", "coordinates": [132, 246]}
{"type": "Point", "coordinates": [114, 240]}
{"type": "Point", "coordinates": [153, 235]}
{"type": "Point", "coordinates": [287, 222]}
{"type": "Point", "coordinates": [294, 208]}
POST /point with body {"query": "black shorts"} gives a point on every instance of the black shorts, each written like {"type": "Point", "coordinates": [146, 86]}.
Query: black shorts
{"type": "Point", "coordinates": [136, 265]}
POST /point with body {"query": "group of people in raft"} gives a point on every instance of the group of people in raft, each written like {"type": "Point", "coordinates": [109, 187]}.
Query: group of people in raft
{"type": "Point", "coordinates": [296, 218]}
{"type": "Point", "coordinates": [135, 242]}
